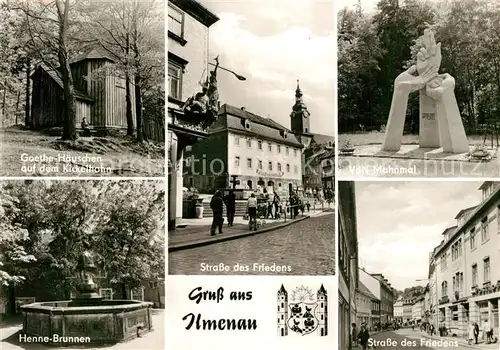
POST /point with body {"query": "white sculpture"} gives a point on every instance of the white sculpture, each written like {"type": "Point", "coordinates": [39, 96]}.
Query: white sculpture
{"type": "Point", "coordinates": [440, 121]}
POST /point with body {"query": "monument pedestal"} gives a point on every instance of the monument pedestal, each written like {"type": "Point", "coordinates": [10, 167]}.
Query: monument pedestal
{"type": "Point", "coordinates": [429, 126]}
{"type": "Point", "coordinates": [453, 137]}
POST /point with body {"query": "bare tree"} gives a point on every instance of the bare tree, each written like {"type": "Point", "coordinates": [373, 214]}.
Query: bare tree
{"type": "Point", "coordinates": [48, 25]}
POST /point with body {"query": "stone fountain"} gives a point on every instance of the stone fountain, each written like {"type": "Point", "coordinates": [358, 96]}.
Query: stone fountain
{"type": "Point", "coordinates": [87, 317]}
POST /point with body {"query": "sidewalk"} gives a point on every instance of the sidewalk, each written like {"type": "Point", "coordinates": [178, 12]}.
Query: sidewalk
{"type": "Point", "coordinates": [193, 233]}
{"type": "Point", "coordinates": [461, 341]}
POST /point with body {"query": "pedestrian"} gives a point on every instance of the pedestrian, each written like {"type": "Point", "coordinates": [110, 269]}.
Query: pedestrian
{"type": "Point", "coordinates": [471, 333]}
{"type": "Point", "coordinates": [308, 205]}
{"type": "Point", "coordinates": [269, 209]}
{"type": "Point", "coordinates": [217, 205]}
{"type": "Point", "coordinates": [252, 211]}
{"type": "Point", "coordinates": [230, 201]}
{"type": "Point", "coordinates": [276, 202]}
{"type": "Point", "coordinates": [363, 336]}
{"type": "Point", "coordinates": [489, 332]}
{"type": "Point", "coordinates": [354, 334]}
{"type": "Point", "coordinates": [476, 332]}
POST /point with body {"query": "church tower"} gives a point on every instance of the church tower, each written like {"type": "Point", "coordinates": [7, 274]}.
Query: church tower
{"type": "Point", "coordinates": [282, 312]}
{"type": "Point", "coordinates": [322, 300]}
{"type": "Point", "coordinates": [299, 123]}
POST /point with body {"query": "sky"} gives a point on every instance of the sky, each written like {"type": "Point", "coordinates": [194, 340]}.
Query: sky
{"type": "Point", "coordinates": [366, 5]}
{"type": "Point", "coordinates": [273, 43]}
{"type": "Point", "coordinates": [400, 223]}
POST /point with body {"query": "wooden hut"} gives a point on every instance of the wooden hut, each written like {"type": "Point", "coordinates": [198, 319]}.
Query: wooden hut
{"type": "Point", "coordinates": [99, 92]}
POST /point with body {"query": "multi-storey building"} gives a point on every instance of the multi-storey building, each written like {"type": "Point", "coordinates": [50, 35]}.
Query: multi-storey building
{"type": "Point", "coordinates": [468, 280]}
{"type": "Point", "coordinates": [188, 63]}
{"type": "Point", "coordinates": [348, 261]}
{"type": "Point", "coordinates": [407, 311]}
{"type": "Point", "coordinates": [367, 306]}
{"type": "Point", "coordinates": [382, 290]}
{"type": "Point", "coordinates": [256, 151]}
{"type": "Point", "coordinates": [417, 310]}
{"type": "Point", "coordinates": [398, 311]}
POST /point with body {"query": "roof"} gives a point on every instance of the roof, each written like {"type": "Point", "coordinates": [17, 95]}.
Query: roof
{"type": "Point", "coordinates": [365, 291]}
{"type": "Point", "coordinates": [477, 212]}
{"type": "Point", "coordinates": [231, 119]}
{"type": "Point", "coordinates": [94, 53]}
{"type": "Point", "coordinates": [448, 230]}
{"type": "Point", "coordinates": [465, 211]}
{"type": "Point", "coordinates": [53, 74]}
{"type": "Point", "coordinates": [197, 11]}
{"type": "Point", "coordinates": [324, 139]}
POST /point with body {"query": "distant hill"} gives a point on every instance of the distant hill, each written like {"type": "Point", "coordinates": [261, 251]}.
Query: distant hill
{"type": "Point", "coordinates": [411, 293]}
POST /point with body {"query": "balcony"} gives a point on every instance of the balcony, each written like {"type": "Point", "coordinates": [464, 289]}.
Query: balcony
{"type": "Point", "coordinates": [488, 288]}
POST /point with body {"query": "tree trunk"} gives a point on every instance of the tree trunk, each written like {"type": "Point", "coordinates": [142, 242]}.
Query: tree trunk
{"type": "Point", "coordinates": [4, 102]}
{"type": "Point", "coordinates": [69, 128]}
{"type": "Point", "coordinates": [11, 291]}
{"type": "Point", "coordinates": [124, 291]}
{"type": "Point", "coordinates": [128, 94]}
{"type": "Point", "coordinates": [27, 110]}
{"type": "Point", "coordinates": [138, 109]}
{"type": "Point", "coordinates": [17, 104]}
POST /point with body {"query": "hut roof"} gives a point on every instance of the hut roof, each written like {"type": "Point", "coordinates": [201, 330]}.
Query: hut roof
{"type": "Point", "coordinates": [53, 74]}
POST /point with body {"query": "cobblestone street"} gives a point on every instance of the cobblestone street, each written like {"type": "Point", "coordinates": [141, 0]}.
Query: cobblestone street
{"type": "Point", "coordinates": [307, 247]}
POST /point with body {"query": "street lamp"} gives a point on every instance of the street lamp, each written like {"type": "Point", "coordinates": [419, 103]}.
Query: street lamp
{"type": "Point", "coordinates": [239, 77]}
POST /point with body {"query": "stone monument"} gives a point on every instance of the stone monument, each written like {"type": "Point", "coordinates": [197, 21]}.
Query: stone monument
{"type": "Point", "coordinates": [440, 121]}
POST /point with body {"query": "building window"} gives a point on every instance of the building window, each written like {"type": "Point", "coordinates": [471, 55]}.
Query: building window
{"type": "Point", "coordinates": [174, 80]}
{"type": "Point", "coordinates": [249, 143]}
{"type": "Point", "coordinates": [444, 288]}
{"type": "Point", "coordinates": [270, 166]}
{"type": "Point", "coordinates": [279, 166]}
{"type": "Point", "coordinates": [484, 229]}
{"type": "Point", "coordinates": [237, 141]}
{"type": "Point", "coordinates": [259, 145]}
{"type": "Point", "coordinates": [260, 165]}
{"type": "Point", "coordinates": [444, 262]}
{"type": "Point", "coordinates": [269, 147]}
{"type": "Point", "coordinates": [288, 168]}
{"type": "Point", "coordinates": [486, 270]}
{"type": "Point", "coordinates": [287, 151]}
{"type": "Point", "coordinates": [472, 239]}
{"type": "Point", "coordinates": [249, 163]}
{"type": "Point", "coordinates": [295, 169]}
{"type": "Point", "coordinates": [474, 275]}
{"type": "Point", "coordinates": [237, 162]}
{"type": "Point", "coordinates": [175, 21]}
{"type": "Point", "coordinates": [279, 149]}
{"type": "Point", "coordinates": [295, 152]}
{"type": "Point", "coordinates": [456, 250]}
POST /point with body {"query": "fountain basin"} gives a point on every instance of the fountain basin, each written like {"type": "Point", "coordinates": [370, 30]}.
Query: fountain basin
{"type": "Point", "coordinates": [96, 322]}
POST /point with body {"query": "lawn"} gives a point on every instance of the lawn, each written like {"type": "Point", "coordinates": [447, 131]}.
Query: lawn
{"type": "Point", "coordinates": [118, 155]}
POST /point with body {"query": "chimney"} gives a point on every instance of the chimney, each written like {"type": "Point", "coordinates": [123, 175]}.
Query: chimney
{"type": "Point", "coordinates": [243, 109]}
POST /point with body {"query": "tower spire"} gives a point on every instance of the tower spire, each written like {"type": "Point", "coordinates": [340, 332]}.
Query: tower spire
{"type": "Point", "coordinates": [298, 92]}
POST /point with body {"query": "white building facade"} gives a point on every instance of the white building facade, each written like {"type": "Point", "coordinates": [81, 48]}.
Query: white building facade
{"type": "Point", "coordinates": [468, 274]}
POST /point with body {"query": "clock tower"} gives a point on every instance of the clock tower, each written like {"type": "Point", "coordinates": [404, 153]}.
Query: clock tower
{"type": "Point", "coordinates": [300, 115]}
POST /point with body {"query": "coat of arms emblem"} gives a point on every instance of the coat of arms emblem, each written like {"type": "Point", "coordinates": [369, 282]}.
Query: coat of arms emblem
{"type": "Point", "coordinates": [304, 313]}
